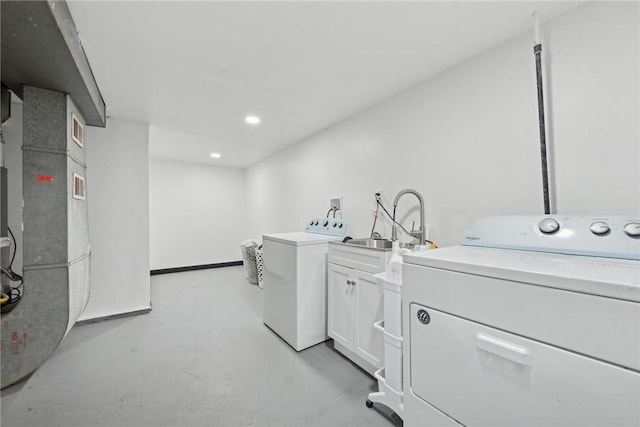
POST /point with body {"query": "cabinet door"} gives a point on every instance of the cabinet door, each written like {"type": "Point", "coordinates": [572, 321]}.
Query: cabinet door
{"type": "Point", "coordinates": [370, 308]}
{"type": "Point", "coordinates": [341, 305]}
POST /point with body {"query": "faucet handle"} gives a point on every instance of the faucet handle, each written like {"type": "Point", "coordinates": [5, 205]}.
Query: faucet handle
{"type": "Point", "coordinates": [418, 234]}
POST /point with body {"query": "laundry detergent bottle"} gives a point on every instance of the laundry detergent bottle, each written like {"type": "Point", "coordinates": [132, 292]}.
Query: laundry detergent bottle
{"type": "Point", "coordinates": [394, 268]}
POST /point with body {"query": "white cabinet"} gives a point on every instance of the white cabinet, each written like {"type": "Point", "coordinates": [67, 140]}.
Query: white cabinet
{"type": "Point", "coordinates": [355, 304]}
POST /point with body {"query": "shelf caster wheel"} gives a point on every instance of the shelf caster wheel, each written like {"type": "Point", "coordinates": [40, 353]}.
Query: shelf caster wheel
{"type": "Point", "coordinates": [369, 403]}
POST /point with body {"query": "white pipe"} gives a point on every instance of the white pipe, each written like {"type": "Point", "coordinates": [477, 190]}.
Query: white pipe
{"type": "Point", "coordinates": [536, 28]}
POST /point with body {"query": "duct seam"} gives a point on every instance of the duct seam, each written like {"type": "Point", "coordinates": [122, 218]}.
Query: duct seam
{"type": "Point", "coordinates": [58, 265]}
{"type": "Point", "coordinates": [67, 153]}
{"type": "Point", "coordinates": [37, 149]}
{"type": "Point", "coordinates": [26, 268]}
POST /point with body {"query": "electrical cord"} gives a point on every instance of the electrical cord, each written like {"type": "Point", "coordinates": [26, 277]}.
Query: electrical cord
{"type": "Point", "coordinates": [14, 277]}
{"type": "Point", "coordinates": [12, 297]}
{"type": "Point", "coordinates": [334, 210]}
{"type": "Point", "coordinates": [392, 218]}
{"type": "Point", "coordinates": [18, 295]}
{"type": "Point", "coordinates": [15, 248]}
{"type": "Point", "coordinates": [15, 294]}
{"type": "Point", "coordinates": [375, 218]}
{"type": "Point", "coordinates": [9, 271]}
{"type": "Point", "coordinates": [389, 215]}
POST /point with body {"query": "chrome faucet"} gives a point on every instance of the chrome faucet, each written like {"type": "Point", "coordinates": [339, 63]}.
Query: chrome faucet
{"type": "Point", "coordinates": [419, 233]}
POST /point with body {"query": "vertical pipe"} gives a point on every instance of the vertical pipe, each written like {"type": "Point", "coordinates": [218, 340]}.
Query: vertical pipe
{"type": "Point", "coordinates": [537, 51]}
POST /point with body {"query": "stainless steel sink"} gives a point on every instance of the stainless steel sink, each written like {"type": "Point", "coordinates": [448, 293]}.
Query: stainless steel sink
{"type": "Point", "coordinates": [371, 243]}
{"type": "Point", "coordinates": [384, 244]}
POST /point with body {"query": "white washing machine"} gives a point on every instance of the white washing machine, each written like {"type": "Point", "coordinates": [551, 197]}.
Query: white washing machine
{"type": "Point", "coordinates": [534, 320]}
{"type": "Point", "coordinates": [295, 281]}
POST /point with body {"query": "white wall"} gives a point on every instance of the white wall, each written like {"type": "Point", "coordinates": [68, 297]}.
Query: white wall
{"type": "Point", "coordinates": [467, 139]}
{"type": "Point", "coordinates": [197, 214]}
{"type": "Point", "coordinates": [118, 198]}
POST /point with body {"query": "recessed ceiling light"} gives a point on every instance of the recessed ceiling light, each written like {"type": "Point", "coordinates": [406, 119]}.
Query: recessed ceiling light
{"type": "Point", "coordinates": [252, 120]}
{"type": "Point", "coordinates": [216, 155]}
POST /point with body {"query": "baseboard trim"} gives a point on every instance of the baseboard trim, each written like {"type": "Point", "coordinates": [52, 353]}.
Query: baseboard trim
{"type": "Point", "coordinates": [195, 267]}
{"type": "Point", "coordinates": [112, 317]}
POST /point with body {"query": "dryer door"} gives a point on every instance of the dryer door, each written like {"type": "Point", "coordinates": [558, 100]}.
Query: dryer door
{"type": "Point", "coordinates": [483, 376]}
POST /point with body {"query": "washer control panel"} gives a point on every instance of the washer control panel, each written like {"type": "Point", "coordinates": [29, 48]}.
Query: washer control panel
{"type": "Point", "coordinates": [613, 236]}
{"type": "Point", "coordinates": [329, 226]}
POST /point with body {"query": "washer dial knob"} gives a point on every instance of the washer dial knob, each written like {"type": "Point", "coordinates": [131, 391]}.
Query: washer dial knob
{"type": "Point", "coordinates": [548, 226]}
{"type": "Point", "coordinates": [632, 229]}
{"type": "Point", "coordinates": [599, 228]}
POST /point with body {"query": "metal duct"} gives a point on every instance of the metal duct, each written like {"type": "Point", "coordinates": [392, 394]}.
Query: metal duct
{"type": "Point", "coordinates": [41, 48]}
{"type": "Point", "coordinates": [56, 236]}
{"type": "Point", "coordinates": [43, 62]}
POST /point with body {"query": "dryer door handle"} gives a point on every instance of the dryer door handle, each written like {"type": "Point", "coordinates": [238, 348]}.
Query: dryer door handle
{"type": "Point", "coordinates": [502, 348]}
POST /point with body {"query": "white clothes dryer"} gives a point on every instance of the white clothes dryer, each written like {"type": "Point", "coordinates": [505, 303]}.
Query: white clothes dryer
{"type": "Point", "coordinates": [534, 320]}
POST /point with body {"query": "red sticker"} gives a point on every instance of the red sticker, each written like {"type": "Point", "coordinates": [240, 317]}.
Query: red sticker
{"type": "Point", "coordinates": [45, 178]}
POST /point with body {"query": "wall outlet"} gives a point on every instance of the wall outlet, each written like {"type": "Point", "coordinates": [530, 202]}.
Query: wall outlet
{"type": "Point", "coordinates": [336, 203]}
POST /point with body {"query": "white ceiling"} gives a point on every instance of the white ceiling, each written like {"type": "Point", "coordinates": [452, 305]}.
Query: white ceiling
{"type": "Point", "coordinates": [194, 70]}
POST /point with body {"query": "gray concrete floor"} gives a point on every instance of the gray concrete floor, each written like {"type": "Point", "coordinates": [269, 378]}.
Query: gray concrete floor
{"type": "Point", "coordinates": [202, 357]}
